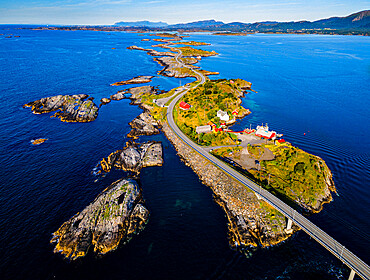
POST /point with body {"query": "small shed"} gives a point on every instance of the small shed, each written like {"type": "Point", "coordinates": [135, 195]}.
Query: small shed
{"type": "Point", "coordinates": [203, 129]}
{"type": "Point", "coordinates": [185, 106]}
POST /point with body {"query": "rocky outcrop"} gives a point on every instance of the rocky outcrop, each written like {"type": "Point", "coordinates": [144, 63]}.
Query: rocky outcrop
{"type": "Point", "coordinates": [118, 96]}
{"type": "Point", "coordinates": [38, 141]}
{"type": "Point", "coordinates": [133, 157]}
{"type": "Point", "coordinates": [138, 92]}
{"type": "Point", "coordinates": [208, 73]}
{"type": "Point", "coordinates": [172, 68]}
{"type": "Point", "coordinates": [151, 51]}
{"type": "Point", "coordinates": [104, 101]}
{"type": "Point", "coordinates": [143, 124]}
{"type": "Point", "coordinates": [252, 222]}
{"type": "Point", "coordinates": [113, 217]}
{"type": "Point", "coordinates": [72, 108]}
{"type": "Point", "coordinates": [136, 80]}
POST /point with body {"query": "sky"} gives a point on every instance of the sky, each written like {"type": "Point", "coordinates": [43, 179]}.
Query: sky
{"type": "Point", "coordinates": [106, 12]}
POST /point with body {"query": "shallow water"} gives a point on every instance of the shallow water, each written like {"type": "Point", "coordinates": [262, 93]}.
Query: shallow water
{"type": "Point", "coordinates": [318, 85]}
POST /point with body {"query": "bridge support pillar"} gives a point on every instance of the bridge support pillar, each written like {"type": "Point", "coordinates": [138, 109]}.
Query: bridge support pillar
{"type": "Point", "coordinates": [289, 229]}
{"type": "Point", "coordinates": [351, 275]}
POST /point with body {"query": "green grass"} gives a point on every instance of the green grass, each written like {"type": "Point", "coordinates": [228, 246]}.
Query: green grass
{"type": "Point", "coordinates": [206, 100]}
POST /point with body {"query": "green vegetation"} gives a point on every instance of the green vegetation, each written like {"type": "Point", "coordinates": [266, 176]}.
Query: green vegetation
{"type": "Point", "coordinates": [166, 35]}
{"type": "Point", "coordinates": [206, 100]}
{"type": "Point", "coordinates": [295, 174]}
{"type": "Point", "coordinates": [189, 51]}
{"type": "Point", "coordinates": [191, 43]}
{"type": "Point", "coordinates": [233, 152]}
{"type": "Point", "coordinates": [273, 215]}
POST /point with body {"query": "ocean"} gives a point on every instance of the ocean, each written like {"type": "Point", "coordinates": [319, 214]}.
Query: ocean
{"type": "Point", "coordinates": [312, 88]}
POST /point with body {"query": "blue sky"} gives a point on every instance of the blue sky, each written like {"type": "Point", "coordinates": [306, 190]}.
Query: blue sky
{"type": "Point", "coordinates": [171, 11]}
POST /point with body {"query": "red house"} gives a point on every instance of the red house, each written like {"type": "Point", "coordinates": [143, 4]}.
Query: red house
{"type": "Point", "coordinates": [183, 105]}
{"type": "Point", "coordinates": [235, 112]}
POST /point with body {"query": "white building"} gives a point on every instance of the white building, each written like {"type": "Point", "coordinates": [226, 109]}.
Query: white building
{"type": "Point", "coordinates": [203, 129]}
{"type": "Point", "coordinates": [223, 115]}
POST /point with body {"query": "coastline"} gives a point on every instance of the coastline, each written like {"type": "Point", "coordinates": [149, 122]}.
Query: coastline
{"type": "Point", "coordinates": [251, 221]}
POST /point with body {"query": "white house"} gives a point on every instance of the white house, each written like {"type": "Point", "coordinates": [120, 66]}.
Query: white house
{"type": "Point", "coordinates": [223, 115]}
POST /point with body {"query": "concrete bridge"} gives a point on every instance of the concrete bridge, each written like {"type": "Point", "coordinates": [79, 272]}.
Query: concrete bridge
{"type": "Point", "coordinates": [356, 265]}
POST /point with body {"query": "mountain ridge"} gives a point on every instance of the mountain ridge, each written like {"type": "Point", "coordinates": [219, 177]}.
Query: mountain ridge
{"type": "Point", "coordinates": [356, 21]}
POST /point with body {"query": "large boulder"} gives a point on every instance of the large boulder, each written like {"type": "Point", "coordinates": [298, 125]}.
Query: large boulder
{"type": "Point", "coordinates": [133, 157]}
{"type": "Point", "coordinates": [113, 217]}
{"type": "Point", "coordinates": [143, 124]}
{"type": "Point", "coordinates": [70, 108]}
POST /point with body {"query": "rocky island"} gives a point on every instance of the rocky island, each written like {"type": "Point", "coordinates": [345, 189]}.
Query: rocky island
{"type": "Point", "coordinates": [179, 67]}
{"type": "Point", "coordinates": [70, 108]}
{"type": "Point", "coordinates": [144, 124]}
{"type": "Point", "coordinates": [112, 218]}
{"type": "Point", "coordinates": [133, 157]}
{"type": "Point", "coordinates": [38, 141]}
{"type": "Point", "coordinates": [136, 80]}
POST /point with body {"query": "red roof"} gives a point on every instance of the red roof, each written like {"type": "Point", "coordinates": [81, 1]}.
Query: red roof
{"type": "Point", "coordinates": [267, 137]}
{"type": "Point", "coordinates": [184, 105]}
{"type": "Point", "coordinates": [281, 141]}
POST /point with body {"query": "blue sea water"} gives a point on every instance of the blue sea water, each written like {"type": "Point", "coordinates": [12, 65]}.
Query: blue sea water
{"type": "Point", "coordinates": [314, 89]}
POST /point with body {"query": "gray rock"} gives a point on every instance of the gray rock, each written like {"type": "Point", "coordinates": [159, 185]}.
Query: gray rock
{"type": "Point", "coordinates": [72, 108]}
{"type": "Point", "coordinates": [118, 96]}
{"type": "Point", "coordinates": [114, 216]}
{"type": "Point", "coordinates": [133, 157]}
{"type": "Point", "coordinates": [143, 124]}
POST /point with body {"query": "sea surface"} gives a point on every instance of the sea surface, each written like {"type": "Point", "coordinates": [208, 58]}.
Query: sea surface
{"type": "Point", "coordinates": [312, 88]}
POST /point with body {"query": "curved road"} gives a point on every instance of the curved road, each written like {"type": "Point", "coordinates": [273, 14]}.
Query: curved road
{"type": "Point", "coordinates": [337, 249]}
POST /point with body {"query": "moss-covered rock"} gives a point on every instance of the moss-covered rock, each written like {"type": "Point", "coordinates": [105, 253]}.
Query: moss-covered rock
{"type": "Point", "coordinates": [70, 108]}
{"type": "Point", "coordinates": [111, 218]}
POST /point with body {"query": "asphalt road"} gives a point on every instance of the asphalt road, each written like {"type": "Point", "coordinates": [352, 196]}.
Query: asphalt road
{"type": "Point", "coordinates": [337, 249]}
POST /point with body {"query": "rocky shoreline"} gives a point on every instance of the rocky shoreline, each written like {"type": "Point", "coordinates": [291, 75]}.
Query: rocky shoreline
{"type": "Point", "coordinates": [136, 80]}
{"type": "Point", "coordinates": [70, 108]}
{"type": "Point", "coordinates": [143, 124]}
{"type": "Point", "coordinates": [250, 219]}
{"type": "Point", "coordinates": [133, 157]}
{"type": "Point", "coordinates": [114, 216]}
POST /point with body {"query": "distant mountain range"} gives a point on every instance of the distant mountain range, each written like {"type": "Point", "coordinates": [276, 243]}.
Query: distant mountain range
{"type": "Point", "coordinates": [143, 23]}
{"type": "Point", "coordinates": [358, 21]}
